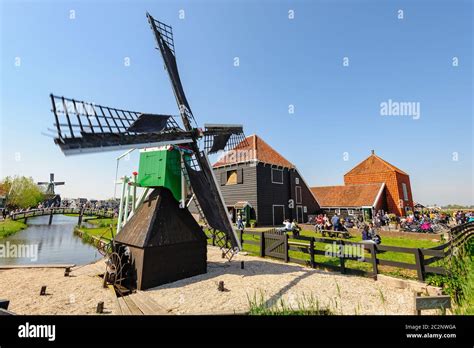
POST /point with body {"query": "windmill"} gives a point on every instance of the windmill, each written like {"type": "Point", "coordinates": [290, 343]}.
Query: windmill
{"type": "Point", "coordinates": [51, 185]}
{"type": "Point", "coordinates": [52, 199]}
{"type": "Point", "coordinates": [173, 168]}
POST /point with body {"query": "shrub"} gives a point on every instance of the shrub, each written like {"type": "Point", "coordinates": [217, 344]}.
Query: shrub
{"type": "Point", "coordinates": [392, 217]}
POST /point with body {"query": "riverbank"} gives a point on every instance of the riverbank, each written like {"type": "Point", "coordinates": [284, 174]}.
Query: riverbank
{"type": "Point", "coordinates": [9, 227]}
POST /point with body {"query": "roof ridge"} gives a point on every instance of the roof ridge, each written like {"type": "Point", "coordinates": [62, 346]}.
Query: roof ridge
{"type": "Point", "coordinates": [255, 143]}
{"type": "Point", "coordinates": [271, 148]}
{"type": "Point", "coordinates": [391, 166]}
{"type": "Point", "coordinates": [381, 160]}
{"type": "Point", "coordinates": [345, 185]}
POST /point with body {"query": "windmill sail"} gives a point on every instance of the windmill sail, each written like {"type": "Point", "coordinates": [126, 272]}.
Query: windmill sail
{"type": "Point", "coordinates": [165, 43]}
{"type": "Point", "coordinates": [210, 198]}
{"type": "Point", "coordinates": [223, 137]}
{"type": "Point", "coordinates": [84, 127]}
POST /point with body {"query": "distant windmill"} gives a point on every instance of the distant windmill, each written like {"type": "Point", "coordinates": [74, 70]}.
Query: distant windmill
{"type": "Point", "coordinates": [51, 185]}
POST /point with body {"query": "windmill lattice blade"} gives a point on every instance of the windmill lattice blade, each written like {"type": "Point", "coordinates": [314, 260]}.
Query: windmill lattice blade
{"type": "Point", "coordinates": [223, 137]}
{"type": "Point", "coordinates": [84, 127]}
{"type": "Point", "coordinates": [165, 43]}
{"type": "Point", "coordinates": [209, 197]}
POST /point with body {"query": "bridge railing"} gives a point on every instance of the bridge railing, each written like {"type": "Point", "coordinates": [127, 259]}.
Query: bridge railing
{"type": "Point", "coordinates": [103, 213]}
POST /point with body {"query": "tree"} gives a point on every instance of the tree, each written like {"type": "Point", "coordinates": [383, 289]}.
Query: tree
{"type": "Point", "coordinates": [22, 192]}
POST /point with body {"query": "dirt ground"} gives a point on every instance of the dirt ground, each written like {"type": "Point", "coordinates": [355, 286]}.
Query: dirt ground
{"type": "Point", "coordinates": [267, 281]}
{"type": "Point", "coordinates": [263, 281]}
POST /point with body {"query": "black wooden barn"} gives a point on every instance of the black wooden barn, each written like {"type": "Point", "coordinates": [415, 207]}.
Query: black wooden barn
{"type": "Point", "coordinates": [255, 175]}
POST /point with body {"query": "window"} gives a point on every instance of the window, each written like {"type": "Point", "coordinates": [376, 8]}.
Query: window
{"type": "Point", "coordinates": [297, 181]}
{"type": "Point", "coordinates": [231, 177]}
{"type": "Point", "coordinates": [299, 198]}
{"type": "Point", "coordinates": [277, 176]}
{"type": "Point", "coordinates": [405, 191]}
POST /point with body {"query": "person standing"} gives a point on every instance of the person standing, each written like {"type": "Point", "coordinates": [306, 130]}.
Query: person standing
{"type": "Point", "coordinates": [335, 222]}
{"type": "Point", "coordinates": [240, 223]}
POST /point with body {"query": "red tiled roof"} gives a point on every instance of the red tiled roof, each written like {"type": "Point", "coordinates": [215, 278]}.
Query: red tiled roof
{"type": "Point", "coordinates": [255, 149]}
{"type": "Point", "coordinates": [347, 196]}
{"type": "Point", "coordinates": [374, 164]}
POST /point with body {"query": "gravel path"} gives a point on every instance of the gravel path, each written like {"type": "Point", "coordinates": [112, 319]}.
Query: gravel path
{"type": "Point", "coordinates": [268, 281]}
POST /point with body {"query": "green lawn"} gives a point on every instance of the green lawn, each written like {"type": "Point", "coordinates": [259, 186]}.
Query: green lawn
{"type": "Point", "coordinates": [101, 227]}
{"type": "Point", "coordinates": [363, 266]}
{"type": "Point", "coordinates": [9, 227]}
{"type": "Point", "coordinates": [467, 307]}
{"type": "Point", "coordinates": [103, 231]}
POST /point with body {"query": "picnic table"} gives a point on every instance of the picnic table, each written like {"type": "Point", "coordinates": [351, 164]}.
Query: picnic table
{"type": "Point", "coordinates": [336, 234]}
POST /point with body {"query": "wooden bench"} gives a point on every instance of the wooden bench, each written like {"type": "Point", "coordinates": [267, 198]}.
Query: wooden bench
{"type": "Point", "coordinates": [336, 234]}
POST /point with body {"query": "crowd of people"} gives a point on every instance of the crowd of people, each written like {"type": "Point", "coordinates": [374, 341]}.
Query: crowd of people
{"type": "Point", "coordinates": [6, 212]}
{"type": "Point", "coordinates": [337, 222]}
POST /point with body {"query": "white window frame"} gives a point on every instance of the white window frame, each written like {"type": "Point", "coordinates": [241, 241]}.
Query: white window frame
{"type": "Point", "coordinates": [405, 191]}
{"type": "Point", "coordinates": [300, 219]}
{"type": "Point", "coordinates": [297, 181]}
{"type": "Point", "coordinates": [300, 200]}
{"type": "Point", "coordinates": [282, 179]}
{"type": "Point", "coordinates": [273, 212]}
{"type": "Point", "coordinates": [337, 211]}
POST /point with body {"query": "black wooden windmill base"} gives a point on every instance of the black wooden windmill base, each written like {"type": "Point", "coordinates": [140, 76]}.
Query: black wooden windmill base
{"type": "Point", "coordinates": [164, 242]}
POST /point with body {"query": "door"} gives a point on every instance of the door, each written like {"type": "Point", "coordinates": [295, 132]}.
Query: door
{"type": "Point", "coordinates": [367, 213]}
{"type": "Point", "coordinates": [278, 214]}
{"type": "Point", "coordinates": [299, 214]}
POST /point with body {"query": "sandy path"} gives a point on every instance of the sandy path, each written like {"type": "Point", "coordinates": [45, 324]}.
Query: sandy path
{"type": "Point", "coordinates": [263, 280]}
{"type": "Point", "coordinates": [78, 294]}
{"type": "Point", "coordinates": [274, 280]}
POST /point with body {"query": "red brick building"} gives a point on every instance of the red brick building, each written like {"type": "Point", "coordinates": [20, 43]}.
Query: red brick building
{"type": "Point", "coordinates": [374, 183]}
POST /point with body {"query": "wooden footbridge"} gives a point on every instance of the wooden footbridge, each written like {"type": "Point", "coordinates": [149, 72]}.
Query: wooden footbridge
{"type": "Point", "coordinates": [81, 212]}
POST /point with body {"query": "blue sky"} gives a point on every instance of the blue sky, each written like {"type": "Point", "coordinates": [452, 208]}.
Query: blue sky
{"type": "Point", "coordinates": [283, 62]}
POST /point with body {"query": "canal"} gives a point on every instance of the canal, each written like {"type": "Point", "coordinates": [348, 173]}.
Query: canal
{"type": "Point", "coordinates": [41, 243]}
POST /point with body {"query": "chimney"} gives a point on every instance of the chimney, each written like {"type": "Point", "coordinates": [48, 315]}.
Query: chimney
{"type": "Point", "coordinates": [373, 152]}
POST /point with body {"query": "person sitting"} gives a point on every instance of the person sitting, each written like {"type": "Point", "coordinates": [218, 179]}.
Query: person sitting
{"type": "Point", "coordinates": [365, 234]}
{"type": "Point", "coordinates": [372, 234]}
{"type": "Point", "coordinates": [319, 223]}
{"type": "Point", "coordinates": [295, 228]}
{"type": "Point", "coordinates": [286, 227]}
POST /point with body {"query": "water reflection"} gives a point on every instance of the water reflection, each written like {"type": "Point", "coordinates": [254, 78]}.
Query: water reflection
{"type": "Point", "coordinates": [56, 243]}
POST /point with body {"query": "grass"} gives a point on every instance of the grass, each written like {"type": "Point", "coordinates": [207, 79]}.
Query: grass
{"type": "Point", "coordinates": [468, 307]}
{"type": "Point", "coordinates": [103, 231]}
{"type": "Point", "coordinates": [9, 227]}
{"type": "Point", "coordinates": [323, 260]}
{"type": "Point", "coordinates": [305, 306]}
{"type": "Point", "coordinates": [101, 228]}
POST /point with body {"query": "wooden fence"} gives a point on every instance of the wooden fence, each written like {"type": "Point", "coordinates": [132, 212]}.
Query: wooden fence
{"type": "Point", "coordinates": [278, 245]}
